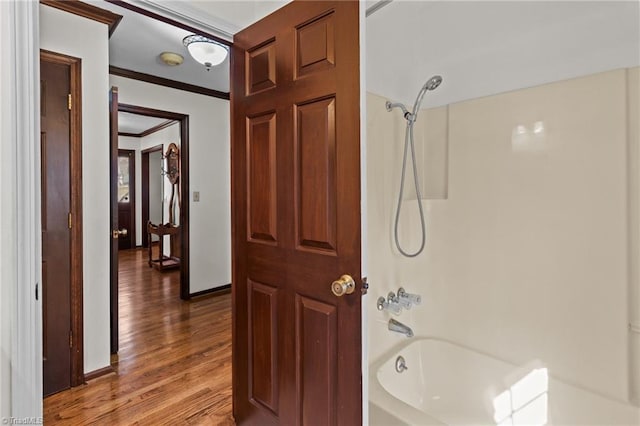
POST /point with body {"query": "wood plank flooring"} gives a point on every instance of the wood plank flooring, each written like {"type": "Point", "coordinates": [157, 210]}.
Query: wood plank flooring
{"type": "Point", "coordinates": [174, 363]}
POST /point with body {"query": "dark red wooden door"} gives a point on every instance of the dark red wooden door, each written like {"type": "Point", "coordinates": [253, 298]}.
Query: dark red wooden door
{"type": "Point", "coordinates": [296, 216]}
{"type": "Point", "coordinates": [56, 228]}
{"type": "Point", "coordinates": [113, 175]}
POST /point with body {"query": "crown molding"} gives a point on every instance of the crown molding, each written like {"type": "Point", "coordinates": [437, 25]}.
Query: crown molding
{"type": "Point", "coordinates": [148, 78]}
{"type": "Point", "coordinates": [88, 11]}
{"type": "Point", "coordinates": [150, 130]}
{"type": "Point", "coordinates": [184, 16]}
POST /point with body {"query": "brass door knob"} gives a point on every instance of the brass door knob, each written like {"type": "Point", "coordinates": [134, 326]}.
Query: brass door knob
{"type": "Point", "coordinates": [343, 285]}
{"type": "Point", "coordinates": [119, 232]}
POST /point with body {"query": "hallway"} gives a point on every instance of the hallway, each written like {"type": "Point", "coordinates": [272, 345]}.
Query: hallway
{"type": "Point", "coordinates": [174, 363]}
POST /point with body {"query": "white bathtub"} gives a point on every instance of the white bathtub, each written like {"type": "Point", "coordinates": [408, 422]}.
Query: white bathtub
{"type": "Point", "coordinates": [449, 384]}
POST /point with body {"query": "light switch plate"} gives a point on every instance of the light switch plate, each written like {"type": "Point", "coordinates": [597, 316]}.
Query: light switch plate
{"type": "Point", "coordinates": [196, 196]}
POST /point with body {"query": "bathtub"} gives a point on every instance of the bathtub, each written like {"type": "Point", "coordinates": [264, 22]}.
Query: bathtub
{"type": "Point", "coordinates": [446, 383]}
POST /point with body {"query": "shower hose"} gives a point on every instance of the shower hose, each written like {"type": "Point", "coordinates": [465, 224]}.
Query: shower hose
{"type": "Point", "coordinates": [408, 142]}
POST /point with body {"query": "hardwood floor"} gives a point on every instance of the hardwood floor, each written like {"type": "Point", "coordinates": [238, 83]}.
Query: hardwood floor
{"type": "Point", "coordinates": [174, 363]}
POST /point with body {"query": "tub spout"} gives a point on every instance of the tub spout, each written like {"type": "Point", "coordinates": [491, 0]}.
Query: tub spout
{"type": "Point", "coordinates": [399, 327]}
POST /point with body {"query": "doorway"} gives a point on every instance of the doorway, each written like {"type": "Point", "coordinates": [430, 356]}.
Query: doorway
{"type": "Point", "coordinates": [152, 190]}
{"type": "Point", "coordinates": [127, 198]}
{"type": "Point", "coordinates": [182, 218]}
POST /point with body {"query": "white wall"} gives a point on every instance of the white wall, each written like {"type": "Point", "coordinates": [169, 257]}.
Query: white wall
{"type": "Point", "coordinates": [8, 207]}
{"type": "Point", "coordinates": [132, 143]}
{"type": "Point", "coordinates": [527, 258]}
{"type": "Point", "coordinates": [6, 293]}
{"type": "Point", "coordinates": [209, 173]}
{"type": "Point", "coordinates": [60, 32]}
{"type": "Point", "coordinates": [20, 259]}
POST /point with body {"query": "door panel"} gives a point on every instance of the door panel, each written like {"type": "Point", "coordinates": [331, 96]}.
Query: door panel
{"type": "Point", "coordinates": [315, 45]}
{"type": "Point", "coordinates": [263, 351]}
{"type": "Point", "coordinates": [261, 183]}
{"type": "Point", "coordinates": [315, 177]}
{"type": "Point", "coordinates": [261, 67]}
{"type": "Point", "coordinates": [56, 234]}
{"type": "Point", "coordinates": [316, 369]}
{"type": "Point", "coordinates": [296, 216]}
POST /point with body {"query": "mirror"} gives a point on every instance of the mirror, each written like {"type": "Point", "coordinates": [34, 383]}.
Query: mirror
{"type": "Point", "coordinates": [123, 179]}
{"type": "Point", "coordinates": [156, 188]}
{"type": "Point", "coordinates": [172, 171]}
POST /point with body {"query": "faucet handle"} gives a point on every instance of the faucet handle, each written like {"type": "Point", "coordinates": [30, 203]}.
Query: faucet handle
{"type": "Point", "coordinates": [389, 305]}
{"type": "Point", "coordinates": [412, 298]}
{"type": "Point", "coordinates": [404, 302]}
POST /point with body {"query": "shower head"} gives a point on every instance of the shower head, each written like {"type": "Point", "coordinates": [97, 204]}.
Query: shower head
{"type": "Point", "coordinates": [433, 82]}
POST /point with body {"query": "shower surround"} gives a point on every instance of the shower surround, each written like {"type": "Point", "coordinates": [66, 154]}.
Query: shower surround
{"type": "Point", "coordinates": [531, 203]}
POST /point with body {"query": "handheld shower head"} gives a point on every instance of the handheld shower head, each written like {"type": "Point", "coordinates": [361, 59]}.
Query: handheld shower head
{"type": "Point", "coordinates": [433, 82]}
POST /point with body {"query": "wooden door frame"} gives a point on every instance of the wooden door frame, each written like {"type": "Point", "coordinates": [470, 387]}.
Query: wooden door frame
{"type": "Point", "coordinates": [132, 194]}
{"type": "Point", "coordinates": [144, 171]}
{"type": "Point", "coordinates": [183, 121]}
{"type": "Point", "coordinates": [75, 165]}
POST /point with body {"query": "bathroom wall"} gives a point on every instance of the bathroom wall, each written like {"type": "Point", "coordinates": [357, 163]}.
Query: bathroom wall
{"type": "Point", "coordinates": [633, 161]}
{"type": "Point", "coordinates": [527, 254]}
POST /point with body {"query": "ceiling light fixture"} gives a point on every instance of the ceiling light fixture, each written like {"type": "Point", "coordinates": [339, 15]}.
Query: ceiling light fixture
{"type": "Point", "coordinates": [206, 51]}
{"type": "Point", "coordinates": [171, 59]}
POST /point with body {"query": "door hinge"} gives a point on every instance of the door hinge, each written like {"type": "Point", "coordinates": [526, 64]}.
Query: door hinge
{"type": "Point", "coordinates": [71, 338]}
{"type": "Point", "coordinates": [36, 291]}
{"type": "Point", "coordinates": [69, 220]}
{"type": "Point", "coordinates": [69, 103]}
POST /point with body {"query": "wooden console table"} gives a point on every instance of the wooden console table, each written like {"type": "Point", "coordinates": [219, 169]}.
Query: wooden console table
{"type": "Point", "coordinates": [163, 262]}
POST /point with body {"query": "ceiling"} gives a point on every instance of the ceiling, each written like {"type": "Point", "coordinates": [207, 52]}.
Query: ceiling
{"type": "Point", "coordinates": [482, 48]}
{"type": "Point", "coordinates": [237, 14]}
{"type": "Point", "coordinates": [479, 47]}
{"type": "Point", "coordinates": [136, 123]}
{"type": "Point", "coordinates": [139, 40]}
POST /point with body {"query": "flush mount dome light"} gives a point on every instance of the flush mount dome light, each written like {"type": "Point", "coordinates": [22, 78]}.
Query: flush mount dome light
{"type": "Point", "coordinates": [206, 51]}
{"type": "Point", "coordinates": [171, 59]}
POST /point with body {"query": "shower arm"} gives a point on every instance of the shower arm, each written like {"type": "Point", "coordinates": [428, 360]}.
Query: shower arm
{"type": "Point", "coordinates": [406, 114]}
